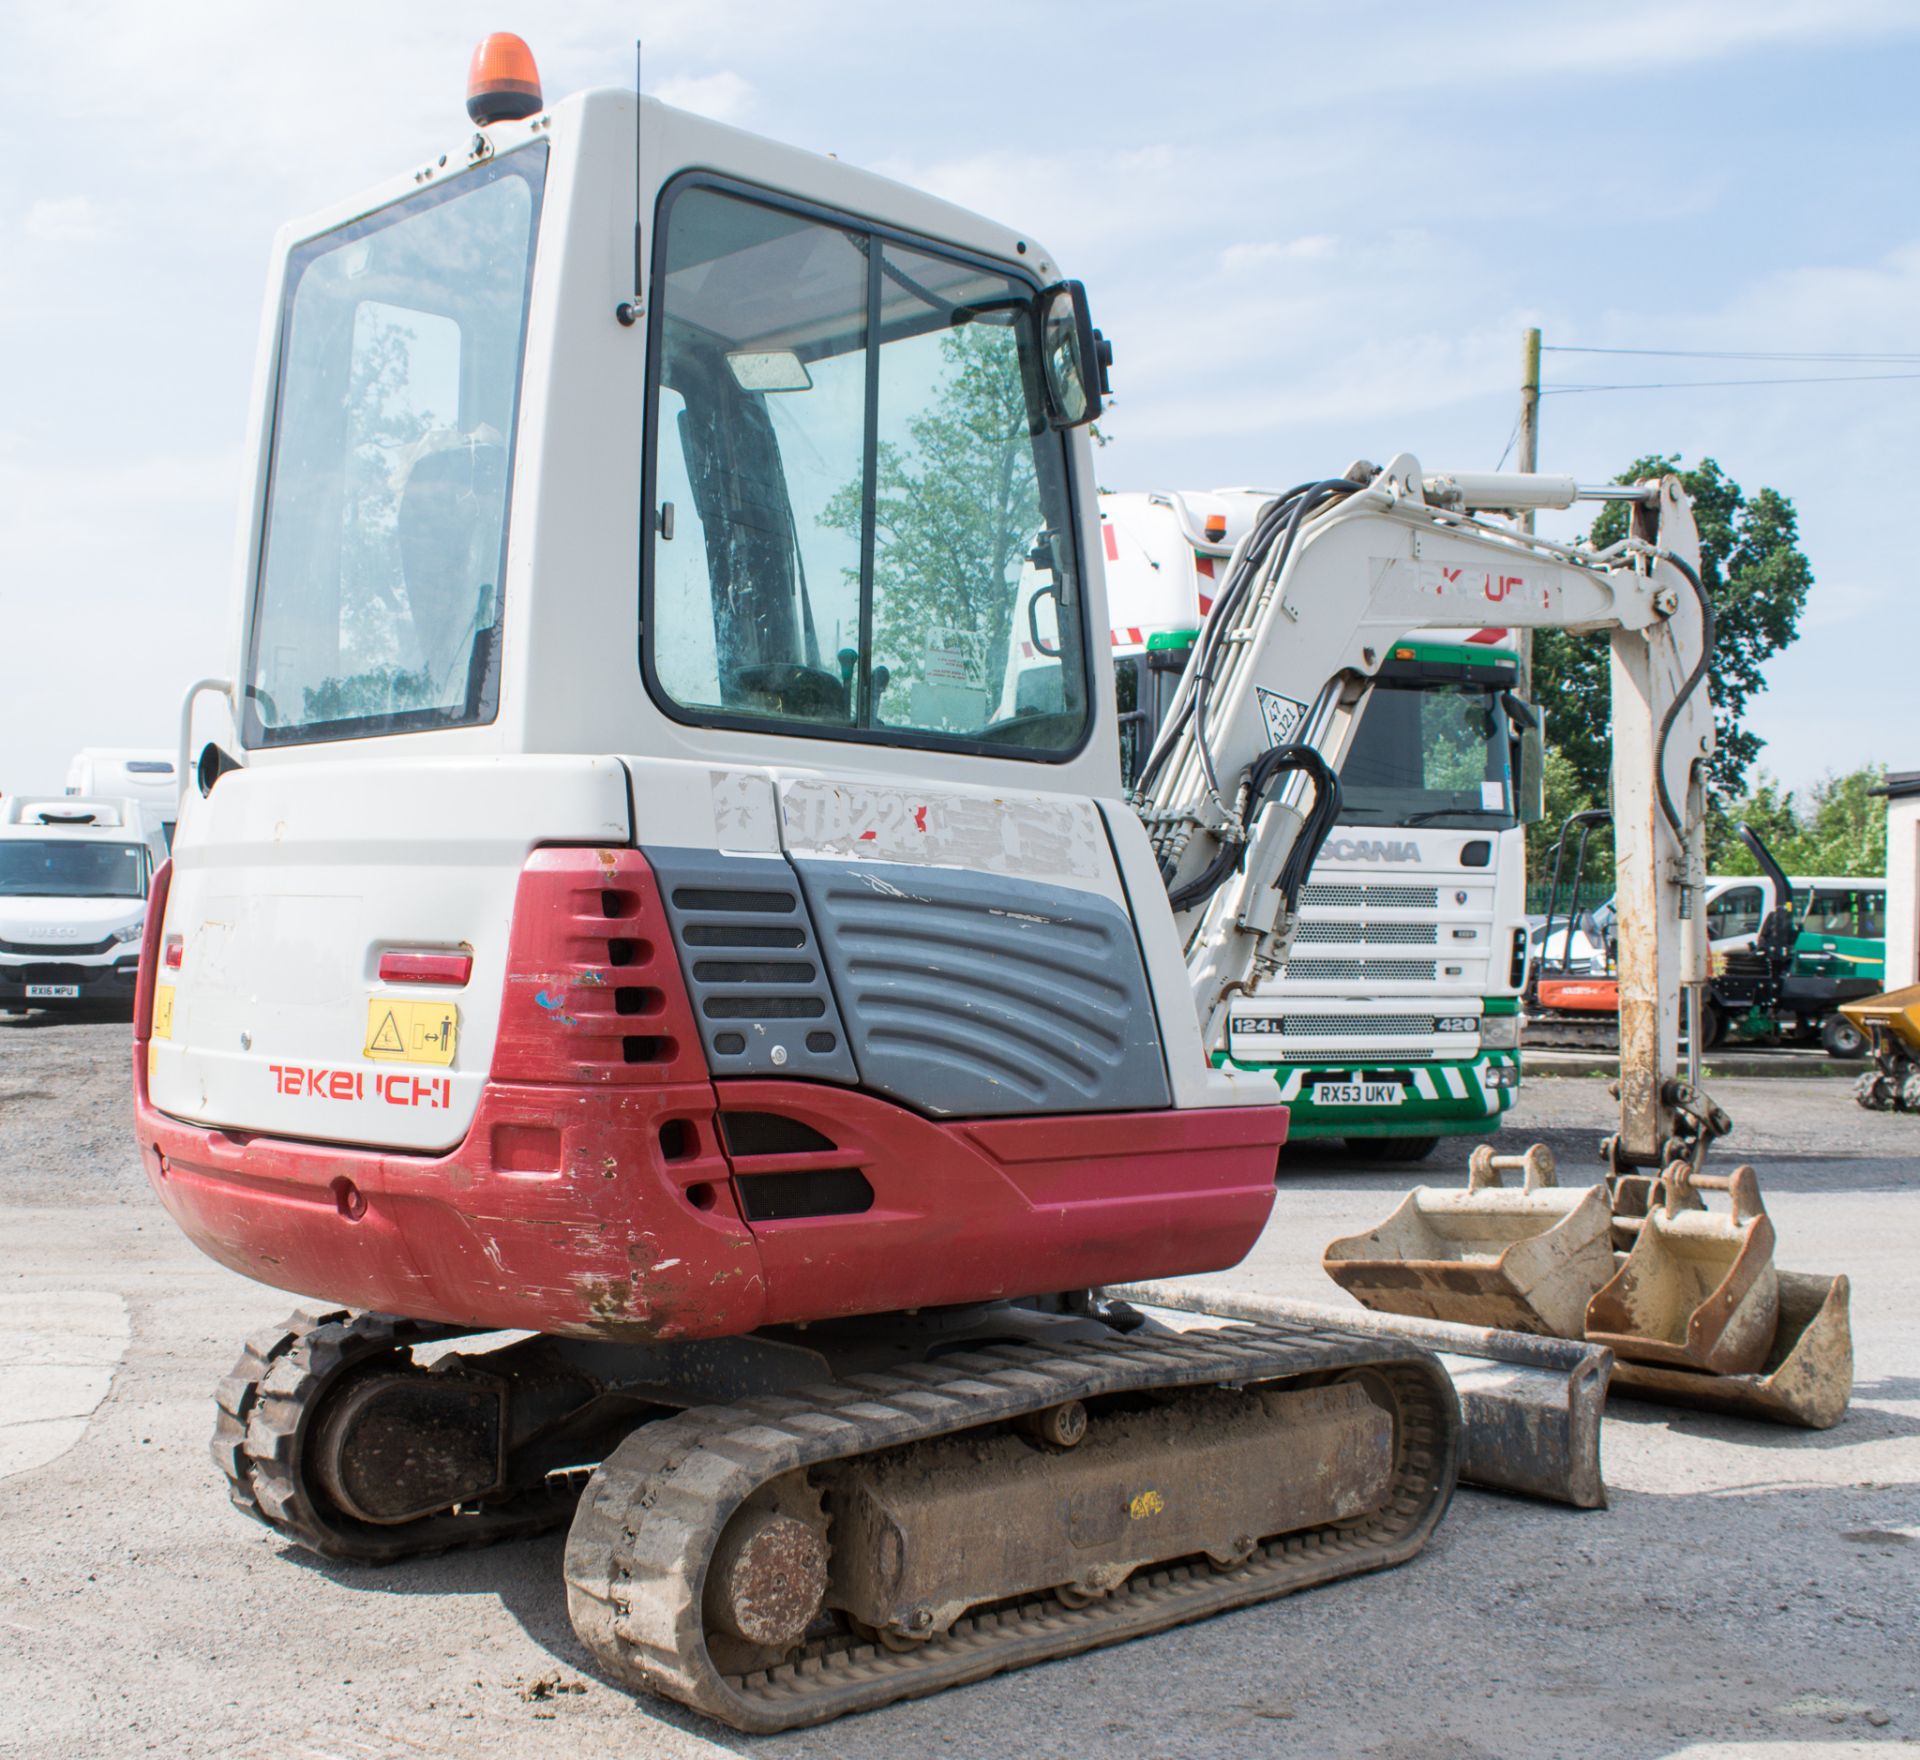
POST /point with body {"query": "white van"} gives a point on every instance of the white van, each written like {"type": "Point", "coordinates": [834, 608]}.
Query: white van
{"type": "Point", "coordinates": [74, 877]}
{"type": "Point", "coordinates": [150, 777]}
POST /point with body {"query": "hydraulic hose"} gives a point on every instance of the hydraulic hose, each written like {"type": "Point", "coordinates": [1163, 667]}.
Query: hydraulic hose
{"type": "Point", "coordinates": [1686, 690]}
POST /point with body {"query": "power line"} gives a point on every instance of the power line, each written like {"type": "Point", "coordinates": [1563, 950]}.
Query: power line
{"type": "Point", "coordinates": [1717, 384]}
{"type": "Point", "coordinates": [1732, 354]}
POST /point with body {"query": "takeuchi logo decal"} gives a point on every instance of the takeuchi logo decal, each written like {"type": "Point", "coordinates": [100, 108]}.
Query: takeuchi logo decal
{"type": "Point", "coordinates": [1373, 849]}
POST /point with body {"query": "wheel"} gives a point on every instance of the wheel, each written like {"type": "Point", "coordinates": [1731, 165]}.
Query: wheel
{"type": "Point", "coordinates": [1842, 1038]}
{"type": "Point", "coordinates": [1713, 1024]}
{"type": "Point", "coordinates": [1875, 1091]}
{"type": "Point", "coordinates": [1392, 1148]}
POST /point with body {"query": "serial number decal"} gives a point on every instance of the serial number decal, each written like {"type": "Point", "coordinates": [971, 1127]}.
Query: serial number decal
{"type": "Point", "coordinates": [395, 1087]}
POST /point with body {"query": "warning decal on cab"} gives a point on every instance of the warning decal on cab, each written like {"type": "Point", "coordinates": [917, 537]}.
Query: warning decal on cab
{"type": "Point", "coordinates": [408, 1031]}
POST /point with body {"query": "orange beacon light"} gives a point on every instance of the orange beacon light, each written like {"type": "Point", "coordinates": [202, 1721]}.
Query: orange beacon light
{"type": "Point", "coordinates": [503, 85]}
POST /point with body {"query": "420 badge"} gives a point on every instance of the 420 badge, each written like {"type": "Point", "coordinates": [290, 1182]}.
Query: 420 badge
{"type": "Point", "coordinates": [403, 1030]}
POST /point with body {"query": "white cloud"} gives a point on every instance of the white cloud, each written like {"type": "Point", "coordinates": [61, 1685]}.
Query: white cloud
{"type": "Point", "coordinates": [724, 96]}
{"type": "Point", "coordinates": [66, 220]}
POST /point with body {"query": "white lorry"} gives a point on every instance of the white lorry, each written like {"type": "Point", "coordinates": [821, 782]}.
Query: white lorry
{"type": "Point", "coordinates": [74, 877]}
{"type": "Point", "coordinates": [151, 777]}
{"type": "Point", "coordinates": [1395, 1019]}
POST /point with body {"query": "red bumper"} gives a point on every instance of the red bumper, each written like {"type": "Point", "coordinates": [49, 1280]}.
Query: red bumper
{"type": "Point", "coordinates": [596, 1193]}
{"type": "Point", "coordinates": [618, 1214]}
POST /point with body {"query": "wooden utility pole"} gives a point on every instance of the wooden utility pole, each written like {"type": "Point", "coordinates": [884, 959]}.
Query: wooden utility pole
{"type": "Point", "coordinates": [1529, 460]}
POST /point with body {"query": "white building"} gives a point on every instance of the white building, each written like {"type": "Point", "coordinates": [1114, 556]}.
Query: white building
{"type": "Point", "coordinates": [1902, 789]}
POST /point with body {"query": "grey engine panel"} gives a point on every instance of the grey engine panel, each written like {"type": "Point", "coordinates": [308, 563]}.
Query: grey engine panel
{"type": "Point", "coordinates": [753, 970]}
{"type": "Point", "coordinates": [976, 996]}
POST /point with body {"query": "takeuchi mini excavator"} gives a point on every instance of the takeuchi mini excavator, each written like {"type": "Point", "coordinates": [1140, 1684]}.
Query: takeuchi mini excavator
{"type": "Point", "coordinates": [621, 905]}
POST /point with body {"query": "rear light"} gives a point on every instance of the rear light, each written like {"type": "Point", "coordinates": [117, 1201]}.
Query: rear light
{"type": "Point", "coordinates": [425, 968]}
{"type": "Point", "coordinates": [176, 951]}
{"type": "Point", "coordinates": [593, 988]}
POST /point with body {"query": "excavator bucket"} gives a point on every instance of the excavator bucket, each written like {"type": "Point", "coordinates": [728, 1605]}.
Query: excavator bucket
{"type": "Point", "coordinates": [1698, 1291]}
{"type": "Point", "coordinates": [1806, 1377]}
{"type": "Point", "coordinates": [1522, 1261]}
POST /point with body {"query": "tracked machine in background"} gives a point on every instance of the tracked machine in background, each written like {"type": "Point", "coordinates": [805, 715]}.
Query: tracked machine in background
{"type": "Point", "coordinates": [621, 903]}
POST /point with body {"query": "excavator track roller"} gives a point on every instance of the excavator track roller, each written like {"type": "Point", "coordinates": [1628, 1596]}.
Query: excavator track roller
{"type": "Point", "coordinates": [1522, 1261]}
{"type": "Point", "coordinates": [1698, 1291]}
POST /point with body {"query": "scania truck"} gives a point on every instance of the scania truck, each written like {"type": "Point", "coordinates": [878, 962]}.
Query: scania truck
{"type": "Point", "coordinates": [1396, 1019]}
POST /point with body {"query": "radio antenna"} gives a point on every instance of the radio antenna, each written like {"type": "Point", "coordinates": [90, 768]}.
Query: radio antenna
{"type": "Point", "coordinates": [628, 311]}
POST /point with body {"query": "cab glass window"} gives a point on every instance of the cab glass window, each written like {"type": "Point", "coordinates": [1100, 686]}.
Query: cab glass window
{"type": "Point", "coordinates": [1430, 754]}
{"type": "Point", "coordinates": [1735, 912]}
{"type": "Point", "coordinates": [859, 521]}
{"type": "Point", "coordinates": [378, 602]}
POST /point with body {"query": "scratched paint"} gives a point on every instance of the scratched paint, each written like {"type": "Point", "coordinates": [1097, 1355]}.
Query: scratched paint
{"type": "Point", "coordinates": [1037, 836]}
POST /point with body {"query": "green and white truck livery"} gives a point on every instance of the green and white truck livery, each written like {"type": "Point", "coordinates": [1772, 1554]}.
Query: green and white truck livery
{"type": "Point", "coordinates": [1396, 1021]}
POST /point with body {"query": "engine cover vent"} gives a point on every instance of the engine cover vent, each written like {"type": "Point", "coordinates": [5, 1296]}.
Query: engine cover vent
{"type": "Point", "coordinates": [746, 944]}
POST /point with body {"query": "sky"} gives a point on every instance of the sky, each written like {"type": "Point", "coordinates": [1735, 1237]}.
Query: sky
{"type": "Point", "coordinates": [1313, 234]}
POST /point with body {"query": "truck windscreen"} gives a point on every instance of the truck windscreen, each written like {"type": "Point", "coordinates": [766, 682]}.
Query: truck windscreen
{"type": "Point", "coordinates": [378, 599]}
{"type": "Point", "coordinates": [53, 868]}
{"type": "Point", "coordinates": [1429, 754]}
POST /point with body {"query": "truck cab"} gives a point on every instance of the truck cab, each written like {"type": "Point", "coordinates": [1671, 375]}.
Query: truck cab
{"type": "Point", "coordinates": [1395, 1019]}
{"type": "Point", "coordinates": [75, 873]}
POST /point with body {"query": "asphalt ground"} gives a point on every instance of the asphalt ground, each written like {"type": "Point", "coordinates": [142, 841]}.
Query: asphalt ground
{"type": "Point", "coordinates": [1751, 1590]}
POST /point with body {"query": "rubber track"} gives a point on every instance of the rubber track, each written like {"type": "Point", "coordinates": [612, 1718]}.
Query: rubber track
{"type": "Point", "coordinates": [653, 1512]}
{"type": "Point", "coordinates": [259, 1440]}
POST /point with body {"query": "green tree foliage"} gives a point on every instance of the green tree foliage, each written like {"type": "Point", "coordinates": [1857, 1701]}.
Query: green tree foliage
{"type": "Point", "coordinates": [956, 511]}
{"type": "Point", "coordinates": [1840, 827]}
{"type": "Point", "coordinates": [1757, 578]}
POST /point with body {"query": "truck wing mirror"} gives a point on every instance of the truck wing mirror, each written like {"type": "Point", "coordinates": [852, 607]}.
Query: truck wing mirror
{"type": "Point", "coordinates": [1074, 356]}
{"type": "Point", "coordinates": [1529, 760]}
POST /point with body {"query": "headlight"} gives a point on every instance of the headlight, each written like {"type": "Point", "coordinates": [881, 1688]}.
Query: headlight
{"type": "Point", "coordinates": [1500, 1032]}
{"type": "Point", "coordinates": [130, 931]}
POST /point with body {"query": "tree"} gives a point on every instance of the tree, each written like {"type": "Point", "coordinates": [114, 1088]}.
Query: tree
{"type": "Point", "coordinates": [1841, 829]}
{"type": "Point", "coordinates": [956, 512]}
{"type": "Point", "coordinates": [1757, 579]}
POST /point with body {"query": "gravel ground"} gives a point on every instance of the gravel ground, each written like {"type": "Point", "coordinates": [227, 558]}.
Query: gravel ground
{"type": "Point", "coordinates": [1751, 1590]}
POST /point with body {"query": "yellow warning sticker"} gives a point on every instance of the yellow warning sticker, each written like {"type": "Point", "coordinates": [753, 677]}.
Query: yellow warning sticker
{"type": "Point", "coordinates": [162, 1011]}
{"type": "Point", "coordinates": [402, 1030]}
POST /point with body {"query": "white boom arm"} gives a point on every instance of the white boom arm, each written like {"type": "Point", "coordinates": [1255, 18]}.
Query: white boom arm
{"type": "Point", "coordinates": [1316, 595]}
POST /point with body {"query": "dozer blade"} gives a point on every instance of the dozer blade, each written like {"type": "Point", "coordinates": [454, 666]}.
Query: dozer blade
{"type": "Point", "coordinates": [1530, 1407]}
{"type": "Point", "coordinates": [1698, 1291]}
{"type": "Point", "coordinates": [1522, 1261]}
{"type": "Point", "coordinates": [791, 1558]}
{"type": "Point", "coordinates": [1806, 1379]}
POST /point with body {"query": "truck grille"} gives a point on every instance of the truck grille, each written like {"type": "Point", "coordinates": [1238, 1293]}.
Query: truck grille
{"type": "Point", "coordinates": [1384, 970]}
{"type": "Point", "coordinates": [1384, 895]}
{"type": "Point", "coordinates": [57, 948]}
{"type": "Point", "coordinates": [1371, 934]}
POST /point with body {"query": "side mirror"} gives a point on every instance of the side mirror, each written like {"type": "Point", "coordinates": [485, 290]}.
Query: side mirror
{"type": "Point", "coordinates": [1530, 782]}
{"type": "Point", "coordinates": [1073, 356]}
